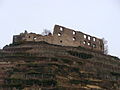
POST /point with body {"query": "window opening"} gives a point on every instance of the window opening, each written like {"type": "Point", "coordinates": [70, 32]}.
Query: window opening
{"type": "Point", "coordinates": [74, 38]}
{"type": "Point", "coordinates": [34, 38]}
{"type": "Point", "coordinates": [61, 28]}
{"type": "Point", "coordinates": [59, 34]}
{"type": "Point", "coordinates": [74, 32]}
{"type": "Point", "coordinates": [89, 38]}
{"type": "Point", "coordinates": [89, 43]}
{"type": "Point", "coordinates": [94, 45]}
{"type": "Point", "coordinates": [85, 36]}
{"type": "Point", "coordinates": [84, 42]}
{"type": "Point", "coordinates": [94, 39]}
{"type": "Point", "coordinates": [60, 41]}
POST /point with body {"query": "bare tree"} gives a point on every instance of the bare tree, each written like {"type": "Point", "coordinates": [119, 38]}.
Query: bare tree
{"type": "Point", "coordinates": [46, 32]}
{"type": "Point", "coordinates": [105, 46]}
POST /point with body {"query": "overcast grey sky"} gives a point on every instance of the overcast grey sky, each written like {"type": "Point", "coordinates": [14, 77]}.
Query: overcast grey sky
{"type": "Point", "coordinates": [100, 18]}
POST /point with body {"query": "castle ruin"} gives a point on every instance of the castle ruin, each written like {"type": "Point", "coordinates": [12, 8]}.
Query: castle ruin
{"type": "Point", "coordinates": [29, 63]}
{"type": "Point", "coordinates": [65, 37]}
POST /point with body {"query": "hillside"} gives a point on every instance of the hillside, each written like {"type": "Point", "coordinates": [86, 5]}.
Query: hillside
{"type": "Point", "coordinates": [36, 66]}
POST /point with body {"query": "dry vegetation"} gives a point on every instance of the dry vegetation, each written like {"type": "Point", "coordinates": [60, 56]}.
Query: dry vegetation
{"type": "Point", "coordinates": [45, 66]}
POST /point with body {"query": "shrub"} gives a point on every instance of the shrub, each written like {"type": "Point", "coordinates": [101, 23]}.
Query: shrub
{"type": "Point", "coordinates": [67, 61]}
{"type": "Point", "coordinates": [80, 55]}
{"type": "Point", "coordinates": [80, 82]}
{"type": "Point", "coordinates": [115, 74]}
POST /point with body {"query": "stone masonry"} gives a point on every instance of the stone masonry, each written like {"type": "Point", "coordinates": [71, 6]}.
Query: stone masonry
{"type": "Point", "coordinates": [64, 37]}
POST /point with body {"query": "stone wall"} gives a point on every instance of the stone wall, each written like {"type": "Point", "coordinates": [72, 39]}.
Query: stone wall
{"type": "Point", "coordinates": [68, 37]}
{"type": "Point", "coordinates": [65, 37]}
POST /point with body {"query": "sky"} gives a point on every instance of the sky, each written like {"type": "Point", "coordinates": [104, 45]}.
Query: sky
{"type": "Point", "coordinates": [100, 18]}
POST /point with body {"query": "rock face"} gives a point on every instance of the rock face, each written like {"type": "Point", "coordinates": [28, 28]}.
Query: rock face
{"type": "Point", "coordinates": [43, 66]}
